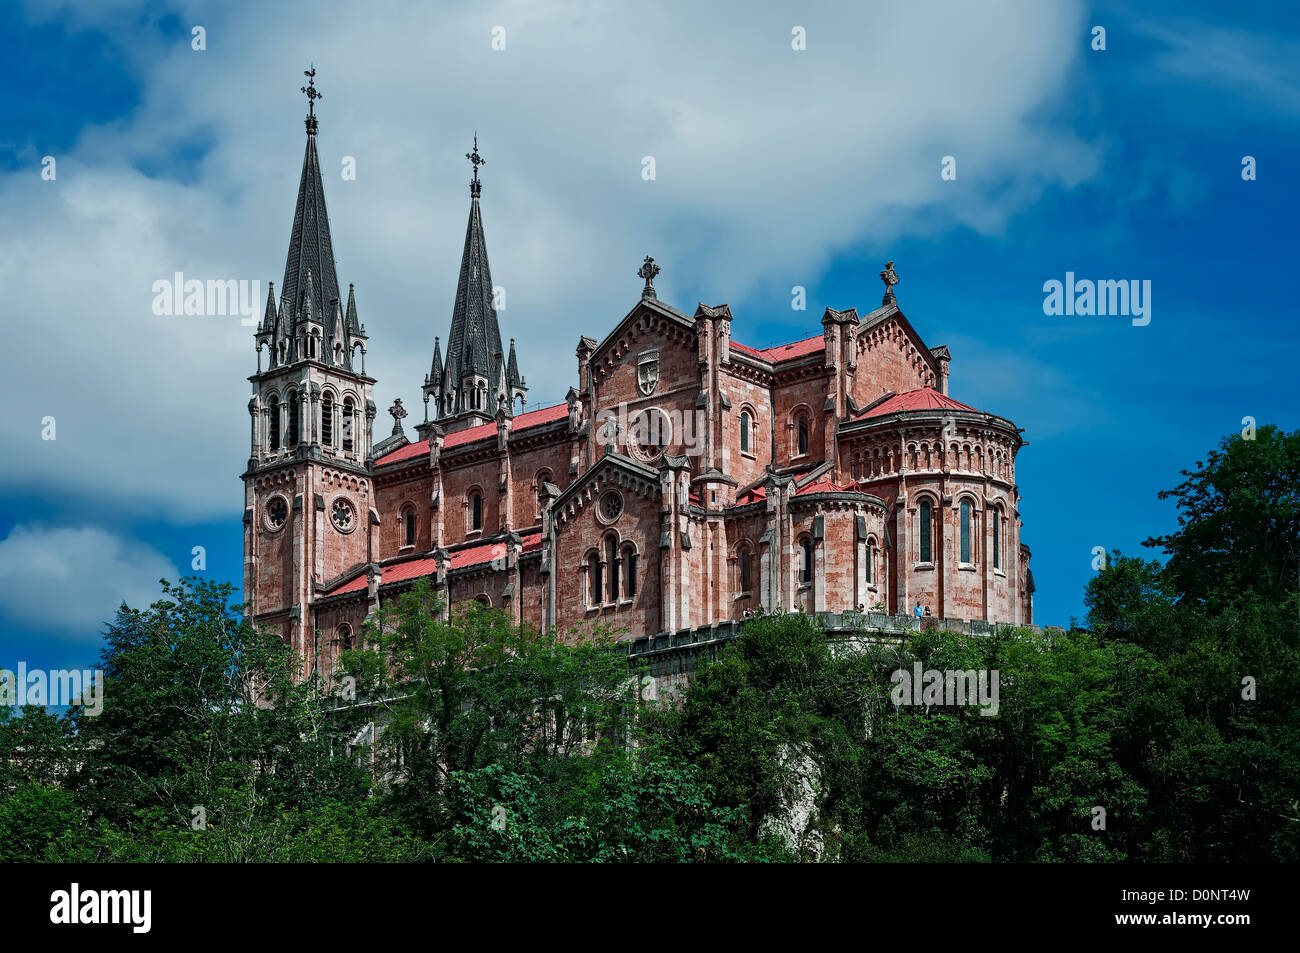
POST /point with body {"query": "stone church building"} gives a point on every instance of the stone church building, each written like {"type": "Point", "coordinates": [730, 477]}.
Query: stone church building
{"type": "Point", "coordinates": [688, 479]}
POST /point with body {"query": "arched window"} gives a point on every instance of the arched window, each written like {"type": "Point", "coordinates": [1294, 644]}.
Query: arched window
{"type": "Point", "coordinates": [801, 438]}
{"type": "Point", "coordinates": [408, 528]}
{"type": "Point", "coordinates": [744, 431]}
{"type": "Point", "coordinates": [483, 599]}
{"type": "Point", "coordinates": [476, 511]}
{"type": "Point", "coordinates": [293, 418]}
{"type": "Point", "coordinates": [345, 636]}
{"type": "Point", "coordinates": [543, 477]}
{"type": "Point", "coordinates": [348, 414]}
{"type": "Point", "coordinates": [746, 570]}
{"type": "Point", "coordinates": [805, 574]}
{"type": "Point", "coordinates": [871, 560]}
{"type": "Point", "coordinates": [925, 531]}
{"type": "Point", "coordinates": [275, 422]}
{"type": "Point", "coordinates": [997, 540]}
{"type": "Point", "coordinates": [611, 557]}
{"type": "Point", "coordinates": [327, 421]}
{"type": "Point", "coordinates": [594, 579]}
{"type": "Point", "coordinates": [629, 571]}
{"type": "Point", "coordinates": [965, 531]}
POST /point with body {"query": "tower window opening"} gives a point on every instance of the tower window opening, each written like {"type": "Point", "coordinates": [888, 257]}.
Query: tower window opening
{"type": "Point", "coordinates": [275, 422]}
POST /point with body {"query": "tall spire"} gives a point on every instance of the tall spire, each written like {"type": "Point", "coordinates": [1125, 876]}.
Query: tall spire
{"type": "Point", "coordinates": [475, 339]}
{"type": "Point", "coordinates": [310, 248]}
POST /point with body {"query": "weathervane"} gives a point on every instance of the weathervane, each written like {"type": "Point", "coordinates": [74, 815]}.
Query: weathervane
{"type": "Point", "coordinates": [477, 160]}
{"type": "Point", "coordinates": [648, 271]}
{"type": "Point", "coordinates": [313, 94]}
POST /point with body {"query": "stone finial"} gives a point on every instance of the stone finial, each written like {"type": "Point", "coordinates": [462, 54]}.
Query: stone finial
{"type": "Point", "coordinates": [890, 278]}
{"type": "Point", "coordinates": [648, 271]}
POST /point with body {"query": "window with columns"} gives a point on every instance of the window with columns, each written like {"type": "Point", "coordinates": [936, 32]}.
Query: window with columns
{"type": "Point", "coordinates": [925, 520]}
{"type": "Point", "coordinates": [997, 538]}
{"type": "Point", "coordinates": [595, 586]}
{"type": "Point", "coordinates": [327, 421]}
{"type": "Point", "coordinates": [408, 526]}
{"type": "Point", "coordinates": [274, 422]}
{"type": "Point", "coordinates": [611, 560]}
{"type": "Point", "coordinates": [964, 516]}
{"type": "Point", "coordinates": [475, 511]}
{"type": "Point", "coordinates": [294, 423]}
{"type": "Point", "coordinates": [629, 571]}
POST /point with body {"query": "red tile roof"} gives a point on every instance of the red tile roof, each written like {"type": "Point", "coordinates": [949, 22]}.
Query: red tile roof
{"type": "Point", "coordinates": [405, 453]}
{"type": "Point", "coordinates": [783, 352]}
{"type": "Point", "coordinates": [477, 555]}
{"type": "Point", "coordinates": [534, 418]}
{"type": "Point", "coordinates": [828, 486]}
{"type": "Point", "coordinates": [753, 495]}
{"type": "Point", "coordinates": [924, 398]}
{"type": "Point", "coordinates": [356, 585]}
{"type": "Point", "coordinates": [427, 565]}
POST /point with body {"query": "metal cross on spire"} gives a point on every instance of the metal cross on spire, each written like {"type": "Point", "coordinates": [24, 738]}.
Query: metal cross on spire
{"type": "Point", "coordinates": [477, 161]}
{"type": "Point", "coordinates": [313, 94]}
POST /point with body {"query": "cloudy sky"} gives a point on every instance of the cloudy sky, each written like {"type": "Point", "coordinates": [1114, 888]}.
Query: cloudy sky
{"type": "Point", "coordinates": [774, 167]}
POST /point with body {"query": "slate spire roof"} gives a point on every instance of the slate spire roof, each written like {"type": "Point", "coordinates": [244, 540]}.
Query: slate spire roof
{"type": "Point", "coordinates": [475, 337]}
{"type": "Point", "coordinates": [310, 290]}
{"type": "Point", "coordinates": [310, 247]}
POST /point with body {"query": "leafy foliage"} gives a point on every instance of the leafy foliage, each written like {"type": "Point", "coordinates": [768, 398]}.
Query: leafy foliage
{"type": "Point", "coordinates": [1174, 713]}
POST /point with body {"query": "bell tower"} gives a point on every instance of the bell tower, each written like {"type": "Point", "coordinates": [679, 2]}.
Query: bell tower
{"type": "Point", "coordinates": [479, 378]}
{"type": "Point", "coordinates": [308, 499]}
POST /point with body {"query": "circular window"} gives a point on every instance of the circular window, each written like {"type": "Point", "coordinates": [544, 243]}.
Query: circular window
{"type": "Point", "coordinates": [344, 515]}
{"type": "Point", "coordinates": [277, 513]}
{"type": "Point", "coordinates": [611, 506]}
{"type": "Point", "coordinates": [650, 434]}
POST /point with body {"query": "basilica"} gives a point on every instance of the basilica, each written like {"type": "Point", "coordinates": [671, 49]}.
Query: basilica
{"type": "Point", "coordinates": [688, 479]}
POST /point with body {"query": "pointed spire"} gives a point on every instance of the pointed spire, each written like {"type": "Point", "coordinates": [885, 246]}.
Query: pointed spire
{"type": "Point", "coordinates": [268, 319]}
{"type": "Point", "coordinates": [475, 336]}
{"type": "Point", "coordinates": [310, 247]}
{"type": "Point", "coordinates": [512, 370]}
{"type": "Point", "coordinates": [351, 323]}
{"type": "Point", "coordinates": [435, 370]}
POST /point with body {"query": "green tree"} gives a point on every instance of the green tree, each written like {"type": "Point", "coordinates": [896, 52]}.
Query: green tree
{"type": "Point", "coordinates": [202, 717]}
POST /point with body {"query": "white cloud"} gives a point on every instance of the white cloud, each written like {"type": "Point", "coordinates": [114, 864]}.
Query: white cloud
{"type": "Point", "coordinates": [70, 581]}
{"type": "Point", "coordinates": [1260, 65]}
{"type": "Point", "coordinates": [769, 161]}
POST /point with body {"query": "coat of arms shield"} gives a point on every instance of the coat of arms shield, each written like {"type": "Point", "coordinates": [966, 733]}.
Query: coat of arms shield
{"type": "Point", "coordinates": [647, 373]}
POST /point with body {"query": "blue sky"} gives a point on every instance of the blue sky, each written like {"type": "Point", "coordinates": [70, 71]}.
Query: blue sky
{"type": "Point", "coordinates": [775, 168]}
